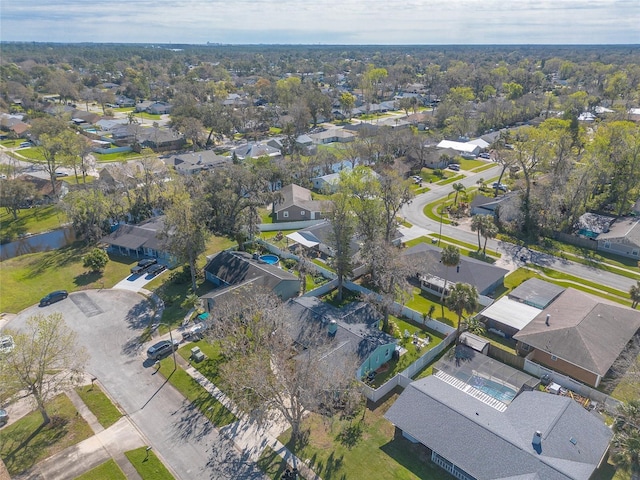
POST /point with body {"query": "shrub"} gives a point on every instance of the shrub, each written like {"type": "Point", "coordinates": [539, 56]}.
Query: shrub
{"type": "Point", "coordinates": [96, 260]}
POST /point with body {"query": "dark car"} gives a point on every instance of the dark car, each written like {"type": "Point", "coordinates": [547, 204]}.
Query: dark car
{"type": "Point", "coordinates": [161, 349]}
{"type": "Point", "coordinates": [156, 269]}
{"type": "Point", "coordinates": [143, 265]}
{"type": "Point", "coordinates": [54, 297]}
{"type": "Point", "coordinates": [4, 417]}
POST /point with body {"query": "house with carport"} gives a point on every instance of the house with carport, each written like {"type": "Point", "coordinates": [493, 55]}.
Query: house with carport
{"type": "Point", "coordinates": [578, 335]}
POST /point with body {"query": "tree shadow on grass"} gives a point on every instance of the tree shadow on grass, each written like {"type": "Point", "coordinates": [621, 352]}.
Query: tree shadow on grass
{"type": "Point", "coordinates": [350, 435]}
{"type": "Point", "coordinates": [415, 457]}
{"type": "Point", "coordinates": [86, 278]}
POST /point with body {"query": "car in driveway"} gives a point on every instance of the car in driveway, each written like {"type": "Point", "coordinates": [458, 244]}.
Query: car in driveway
{"type": "Point", "coordinates": [162, 349]}
{"type": "Point", "coordinates": [156, 269]}
{"type": "Point", "coordinates": [53, 297]}
{"type": "Point", "coordinates": [143, 265]}
{"type": "Point", "coordinates": [454, 166]}
{"type": "Point", "coordinates": [499, 186]}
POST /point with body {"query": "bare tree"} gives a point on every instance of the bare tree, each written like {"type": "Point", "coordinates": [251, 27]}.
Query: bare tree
{"type": "Point", "coordinates": [277, 363]}
{"type": "Point", "coordinates": [45, 361]}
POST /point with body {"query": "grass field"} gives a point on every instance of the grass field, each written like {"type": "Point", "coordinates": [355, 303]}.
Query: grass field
{"type": "Point", "coordinates": [148, 465]}
{"type": "Point", "coordinates": [30, 220]}
{"type": "Point", "coordinates": [99, 404]}
{"type": "Point", "coordinates": [27, 278]}
{"type": "Point", "coordinates": [109, 470]}
{"type": "Point", "coordinates": [27, 441]}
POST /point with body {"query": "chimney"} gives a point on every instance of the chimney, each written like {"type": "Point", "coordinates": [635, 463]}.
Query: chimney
{"type": "Point", "coordinates": [333, 328]}
{"type": "Point", "coordinates": [537, 438]}
{"type": "Point", "coordinates": [546, 322]}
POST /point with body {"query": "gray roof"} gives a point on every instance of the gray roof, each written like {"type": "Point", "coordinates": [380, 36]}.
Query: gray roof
{"type": "Point", "coordinates": [536, 292]}
{"type": "Point", "coordinates": [481, 275]}
{"type": "Point", "coordinates": [489, 444]}
{"type": "Point", "coordinates": [623, 229]}
{"type": "Point", "coordinates": [299, 196]}
{"type": "Point", "coordinates": [584, 330]}
{"type": "Point", "coordinates": [203, 160]}
{"type": "Point", "coordinates": [136, 236]}
{"type": "Point", "coordinates": [235, 268]}
{"type": "Point", "coordinates": [356, 332]}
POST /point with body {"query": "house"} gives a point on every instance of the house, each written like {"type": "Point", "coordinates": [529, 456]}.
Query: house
{"type": "Point", "coordinates": [484, 276]}
{"type": "Point", "coordinates": [331, 136]}
{"type": "Point", "coordinates": [143, 106]}
{"type": "Point", "coordinates": [306, 145]}
{"type": "Point", "coordinates": [536, 292]}
{"type": "Point", "coordinates": [505, 207]}
{"type": "Point", "coordinates": [124, 101]}
{"type": "Point", "coordinates": [623, 238]}
{"type": "Point", "coordinates": [578, 335]}
{"type": "Point", "coordinates": [142, 240]}
{"type": "Point", "coordinates": [319, 238]}
{"type": "Point", "coordinates": [43, 190]}
{"type": "Point", "coordinates": [461, 148]}
{"type": "Point", "coordinates": [160, 139]}
{"type": "Point", "coordinates": [195, 162]}
{"type": "Point", "coordinates": [326, 183]}
{"type": "Point", "coordinates": [480, 142]}
{"type": "Point", "coordinates": [159, 108]}
{"type": "Point", "coordinates": [229, 269]}
{"type": "Point", "coordinates": [255, 150]}
{"type": "Point", "coordinates": [353, 329]}
{"type": "Point", "coordinates": [537, 436]}
{"type": "Point", "coordinates": [296, 204]}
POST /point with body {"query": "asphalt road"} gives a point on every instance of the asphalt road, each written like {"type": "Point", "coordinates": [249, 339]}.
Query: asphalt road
{"type": "Point", "coordinates": [108, 323]}
{"type": "Point", "coordinates": [413, 212]}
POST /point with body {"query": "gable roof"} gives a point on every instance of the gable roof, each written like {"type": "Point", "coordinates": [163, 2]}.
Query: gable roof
{"type": "Point", "coordinates": [498, 445]}
{"type": "Point", "coordinates": [627, 229]}
{"type": "Point", "coordinates": [293, 194]}
{"type": "Point", "coordinates": [481, 275]}
{"type": "Point", "coordinates": [136, 236]}
{"type": "Point", "coordinates": [203, 160]}
{"type": "Point", "coordinates": [584, 330]}
{"type": "Point", "coordinates": [234, 268]}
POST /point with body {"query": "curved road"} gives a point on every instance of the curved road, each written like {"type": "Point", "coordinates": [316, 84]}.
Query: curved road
{"type": "Point", "coordinates": [108, 324]}
{"type": "Point", "coordinates": [511, 253]}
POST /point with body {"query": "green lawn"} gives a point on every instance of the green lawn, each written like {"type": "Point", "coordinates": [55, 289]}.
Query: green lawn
{"type": "Point", "coordinates": [447, 181]}
{"type": "Point", "coordinates": [148, 465]}
{"type": "Point", "coordinates": [12, 142]}
{"type": "Point", "coordinates": [468, 164]}
{"type": "Point", "coordinates": [27, 278]}
{"type": "Point", "coordinates": [194, 392]}
{"type": "Point", "coordinates": [116, 157]}
{"type": "Point", "coordinates": [109, 470]}
{"type": "Point", "coordinates": [422, 302]}
{"type": "Point", "coordinates": [362, 448]}
{"type": "Point", "coordinates": [32, 153]}
{"type": "Point", "coordinates": [273, 465]}
{"type": "Point", "coordinates": [99, 404]}
{"type": "Point", "coordinates": [209, 367]}
{"type": "Point", "coordinates": [26, 442]}
{"type": "Point", "coordinates": [30, 220]}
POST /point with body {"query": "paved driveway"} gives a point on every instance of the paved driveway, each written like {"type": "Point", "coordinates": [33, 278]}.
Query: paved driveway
{"type": "Point", "coordinates": [108, 323]}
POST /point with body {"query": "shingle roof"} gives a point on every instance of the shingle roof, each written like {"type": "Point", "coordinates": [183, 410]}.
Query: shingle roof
{"type": "Point", "coordinates": [624, 228]}
{"type": "Point", "coordinates": [482, 275]}
{"type": "Point", "coordinates": [136, 236]}
{"type": "Point", "coordinates": [299, 196]}
{"type": "Point", "coordinates": [584, 330]}
{"type": "Point", "coordinates": [489, 444]}
{"type": "Point", "coordinates": [234, 268]}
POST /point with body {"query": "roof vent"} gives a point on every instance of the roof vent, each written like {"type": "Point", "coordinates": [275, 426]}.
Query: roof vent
{"type": "Point", "coordinates": [333, 328]}
{"type": "Point", "coordinates": [537, 442]}
{"type": "Point", "coordinates": [546, 322]}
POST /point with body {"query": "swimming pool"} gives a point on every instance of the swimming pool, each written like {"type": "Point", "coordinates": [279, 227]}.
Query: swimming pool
{"type": "Point", "coordinates": [494, 389]}
{"type": "Point", "coordinates": [270, 259]}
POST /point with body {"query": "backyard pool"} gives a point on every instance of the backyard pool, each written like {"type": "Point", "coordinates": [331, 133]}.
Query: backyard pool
{"type": "Point", "coordinates": [270, 259]}
{"type": "Point", "coordinates": [494, 389]}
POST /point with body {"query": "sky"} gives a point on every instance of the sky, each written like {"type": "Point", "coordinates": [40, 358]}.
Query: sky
{"type": "Point", "coordinates": [343, 22]}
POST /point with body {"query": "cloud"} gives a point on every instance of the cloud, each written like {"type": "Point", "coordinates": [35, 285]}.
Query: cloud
{"type": "Point", "coordinates": [323, 21]}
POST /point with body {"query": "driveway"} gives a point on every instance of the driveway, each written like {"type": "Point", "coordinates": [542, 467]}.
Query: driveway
{"type": "Point", "coordinates": [108, 323]}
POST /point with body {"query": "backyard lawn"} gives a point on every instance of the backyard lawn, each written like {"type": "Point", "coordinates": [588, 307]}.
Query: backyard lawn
{"type": "Point", "coordinates": [362, 447]}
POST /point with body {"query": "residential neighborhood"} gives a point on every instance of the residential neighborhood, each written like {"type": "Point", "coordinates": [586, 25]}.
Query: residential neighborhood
{"type": "Point", "coordinates": [285, 262]}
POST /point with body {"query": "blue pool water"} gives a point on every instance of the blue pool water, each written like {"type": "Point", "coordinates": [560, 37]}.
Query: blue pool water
{"type": "Point", "coordinates": [494, 389]}
{"type": "Point", "coordinates": [270, 259]}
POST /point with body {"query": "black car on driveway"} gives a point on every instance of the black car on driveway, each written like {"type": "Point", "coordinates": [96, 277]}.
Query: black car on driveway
{"type": "Point", "coordinates": [156, 269]}
{"type": "Point", "coordinates": [53, 297]}
{"type": "Point", "coordinates": [143, 265]}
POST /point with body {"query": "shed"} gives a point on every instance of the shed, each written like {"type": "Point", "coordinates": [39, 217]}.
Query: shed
{"type": "Point", "coordinates": [475, 342]}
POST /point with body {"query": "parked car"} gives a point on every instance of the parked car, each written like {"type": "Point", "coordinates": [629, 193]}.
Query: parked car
{"type": "Point", "coordinates": [484, 155]}
{"type": "Point", "coordinates": [156, 269]}
{"type": "Point", "coordinates": [454, 166]}
{"type": "Point", "coordinates": [53, 297]}
{"type": "Point", "coordinates": [6, 344]}
{"type": "Point", "coordinates": [499, 186]}
{"type": "Point", "coordinates": [4, 417]}
{"type": "Point", "coordinates": [25, 144]}
{"type": "Point", "coordinates": [161, 349]}
{"type": "Point", "coordinates": [143, 265]}
{"type": "Point", "coordinates": [62, 174]}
